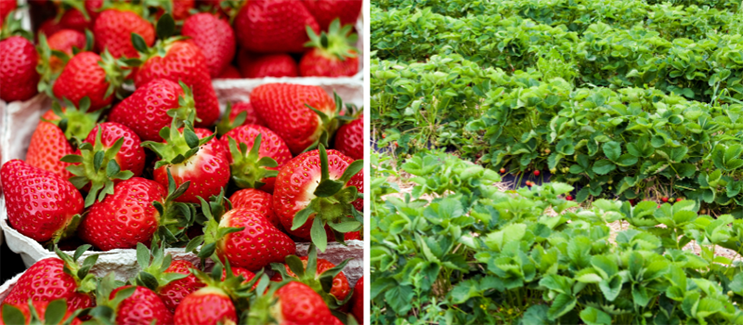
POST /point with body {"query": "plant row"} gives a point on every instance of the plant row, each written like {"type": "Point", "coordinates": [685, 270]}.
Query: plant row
{"type": "Point", "coordinates": [456, 250]}
{"type": "Point", "coordinates": [602, 55]}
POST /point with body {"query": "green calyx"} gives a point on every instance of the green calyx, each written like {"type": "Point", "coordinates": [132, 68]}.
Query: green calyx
{"type": "Point", "coordinates": [212, 211]}
{"type": "Point", "coordinates": [264, 299]}
{"type": "Point", "coordinates": [12, 27]}
{"type": "Point", "coordinates": [321, 284]}
{"type": "Point", "coordinates": [186, 110]}
{"type": "Point", "coordinates": [153, 266]}
{"type": "Point", "coordinates": [180, 145]}
{"type": "Point", "coordinates": [330, 124]}
{"type": "Point", "coordinates": [75, 121]}
{"type": "Point", "coordinates": [332, 205]}
{"type": "Point", "coordinates": [336, 43]}
{"type": "Point", "coordinates": [54, 314]}
{"type": "Point", "coordinates": [97, 166]}
{"type": "Point", "coordinates": [105, 309]}
{"type": "Point", "coordinates": [232, 285]}
{"type": "Point", "coordinates": [81, 273]}
{"type": "Point", "coordinates": [164, 29]}
{"type": "Point", "coordinates": [248, 169]}
{"type": "Point", "coordinates": [175, 217]}
{"type": "Point", "coordinates": [116, 74]}
{"type": "Point", "coordinates": [225, 125]}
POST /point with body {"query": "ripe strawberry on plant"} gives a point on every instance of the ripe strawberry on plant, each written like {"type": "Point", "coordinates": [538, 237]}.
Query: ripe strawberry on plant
{"type": "Point", "coordinates": [57, 278]}
{"type": "Point", "coordinates": [319, 188]}
{"type": "Point", "coordinates": [325, 11]}
{"type": "Point", "coordinates": [18, 59]}
{"type": "Point", "coordinates": [258, 167]}
{"type": "Point", "coordinates": [36, 312]}
{"type": "Point", "coordinates": [214, 37]}
{"type": "Point", "coordinates": [241, 113]}
{"type": "Point", "coordinates": [89, 75]}
{"type": "Point", "coordinates": [266, 65]}
{"type": "Point", "coordinates": [357, 301]}
{"type": "Point", "coordinates": [139, 211]}
{"type": "Point", "coordinates": [321, 275]}
{"type": "Point", "coordinates": [41, 205]}
{"type": "Point", "coordinates": [332, 53]}
{"type": "Point", "coordinates": [292, 112]}
{"type": "Point", "coordinates": [350, 138]}
{"type": "Point", "coordinates": [128, 304]}
{"type": "Point", "coordinates": [270, 26]}
{"type": "Point", "coordinates": [190, 157]}
{"type": "Point", "coordinates": [279, 305]}
{"type": "Point", "coordinates": [113, 29]}
{"type": "Point", "coordinates": [258, 200]}
{"type": "Point", "coordinates": [177, 60]}
{"type": "Point", "coordinates": [244, 237]}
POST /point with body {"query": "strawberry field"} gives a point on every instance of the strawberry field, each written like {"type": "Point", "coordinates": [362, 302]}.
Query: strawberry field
{"type": "Point", "coordinates": [556, 162]}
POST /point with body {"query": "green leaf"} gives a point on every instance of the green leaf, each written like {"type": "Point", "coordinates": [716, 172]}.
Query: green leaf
{"type": "Point", "coordinates": [562, 305]}
{"type": "Point", "coordinates": [593, 316]}
{"type": "Point", "coordinates": [612, 150]}
{"type": "Point", "coordinates": [603, 167]}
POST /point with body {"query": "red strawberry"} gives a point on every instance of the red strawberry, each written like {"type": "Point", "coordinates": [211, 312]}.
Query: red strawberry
{"type": "Point", "coordinates": [274, 26]}
{"type": "Point", "coordinates": [201, 161]}
{"type": "Point", "coordinates": [238, 271]}
{"type": "Point", "coordinates": [332, 54]}
{"type": "Point", "coordinates": [325, 11]}
{"type": "Point", "coordinates": [146, 110]}
{"type": "Point", "coordinates": [340, 288]}
{"type": "Point", "coordinates": [63, 41]}
{"type": "Point", "coordinates": [75, 19]}
{"type": "Point", "coordinates": [131, 155]}
{"type": "Point", "coordinates": [92, 76]}
{"type": "Point", "coordinates": [18, 76]}
{"type": "Point", "coordinates": [93, 8]}
{"type": "Point", "coordinates": [40, 204]}
{"type": "Point", "coordinates": [350, 139]}
{"type": "Point", "coordinates": [49, 27]}
{"type": "Point", "coordinates": [133, 214]}
{"type": "Point", "coordinates": [250, 169]}
{"type": "Point", "coordinates": [180, 9]}
{"type": "Point", "coordinates": [48, 145]}
{"type": "Point", "coordinates": [56, 278]}
{"type": "Point", "coordinates": [357, 301]}
{"type": "Point", "coordinates": [43, 310]}
{"type": "Point", "coordinates": [6, 6]}
{"type": "Point", "coordinates": [214, 37]}
{"type": "Point", "coordinates": [266, 65]}
{"type": "Point", "coordinates": [282, 107]}
{"type": "Point", "coordinates": [113, 28]}
{"type": "Point", "coordinates": [230, 72]}
{"type": "Point", "coordinates": [314, 311]}
{"type": "Point", "coordinates": [241, 113]}
{"type": "Point", "coordinates": [182, 62]}
{"type": "Point", "coordinates": [258, 200]}
{"type": "Point", "coordinates": [141, 307]}
{"type": "Point", "coordinates": [315, 179]}
{"type": "Point", "coordinates": [174, 292]}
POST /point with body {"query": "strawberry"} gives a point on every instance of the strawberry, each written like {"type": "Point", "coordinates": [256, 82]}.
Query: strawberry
{"type": "Point", "coordinates": [48, 145]}
{"type": "Point", "coordinates": [6, 7]}
{"type": "Point", "coordinates": [40, 204]}
{"type": "Point", "coordinates": [170, 279]}
{"type": "Point", "coordinates": [57, 278]}
{"type": "Point", "coordinates": [111, 153]}
{"type": "Point", "coordinates": [76, 20]}
{"type": "Point", "coordinates": [146, 111]}
{"type": "Point", "coordinates": [312, 271]}
{"type": "Point", "coordinates": [357, 301]}
{"type": "Point", "coordinates": [238, 271]}
{"type": "Point", "coordinates": [230, 72]}
{"type": "Point", "coordinates": [332, 54]}
{"type": "Point", "coordinates": [266, 26]}
{"type": "Point", "coordinates": [113, 28]}
{"type": "Point", "coordinates": [283, 108]}
{"type": "Point", "coordinates": [177, 60]}
{"type": "Point", "coordinates": [42, 310]}
{"type": "Point", "coordinates": [241, 113]}
{"type": "Point", "coordinates": [64, 41]}
{"type": "Point", "coordinates": [314, 311]}
{"type": "Point", "coordinates": [214, 37]}
{"type": "Point", "coordinates": [325, 11]}
{"type": "Point", "coordinates": [350, 139]}
{"type": "Point", "coordinates": [18, 59]}
{"type": "Point", "coordinates": [266, 65]}
{"type": "Point", "coordinates": [138, 211]}
{"type": "Point", "coordinates": [316, 188]}
{"type": "Point", "coordinates": [190, 157]}
{"type": "Point", "coordinates": [259, 167]}
{"type": "Point", "coordinates": [129, 304]}
{"type": "Point", "coordinates": [49, 27]}
{"type": "Point", "coordinates": [89, 75]}
{"type": "Point", "coordinates": [258, 200]}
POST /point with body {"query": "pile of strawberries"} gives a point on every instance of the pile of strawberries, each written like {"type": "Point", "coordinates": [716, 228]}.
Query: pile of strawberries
{"type": "Point", "coordinates": [230, 39]}
{"type": "Point", "coordinates": [305, 290]}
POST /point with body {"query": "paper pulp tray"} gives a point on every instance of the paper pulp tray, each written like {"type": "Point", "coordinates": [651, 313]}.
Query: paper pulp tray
{"type": "Point", "coordinates": [18, 121]}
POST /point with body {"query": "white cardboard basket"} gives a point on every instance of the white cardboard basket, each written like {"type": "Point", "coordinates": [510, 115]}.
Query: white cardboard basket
{"type": "Point", "coordinates": [18, 121]}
